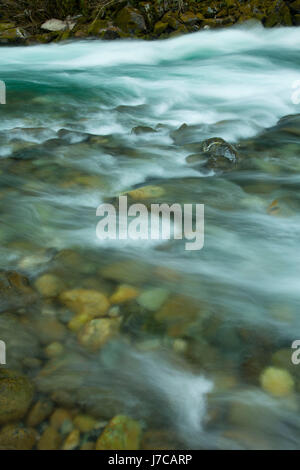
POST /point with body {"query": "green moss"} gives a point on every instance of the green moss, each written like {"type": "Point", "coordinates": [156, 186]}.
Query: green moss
{"type": "Point", "coordinates": [160, 27]}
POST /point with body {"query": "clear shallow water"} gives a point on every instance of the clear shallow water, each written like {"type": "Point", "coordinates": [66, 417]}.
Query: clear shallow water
{"type": "Point", "coordinates": [66, 145]}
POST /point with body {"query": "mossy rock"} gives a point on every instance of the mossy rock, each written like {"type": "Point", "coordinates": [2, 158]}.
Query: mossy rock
{"type": "Point", "coordinates": [45, 38]}
{"type": "Point", "coordinates": [16, 394]}
{"type": "Point", "coordinates": [104, 29]}
{"type": "Point", "coordinates": [189, 18]}
{"type": "Point", "coordinates": [130, 20]}
{"type": "Point", "coordinates": [149, 13]}
{"type": "Point", "coordinates": [281, 17]}
{"type": "Point", "coordinates": [172, 19]}
{"type": "Point", "coordinates": [121, 433]}
{"type": "Point", "coordinates": [17, 437]}
{"type": "Point", "coordinates": [96, 27]}
{"type": "Point", "coordinates": [160, 27]}
{"type": "Point", "coordinates": [5, 26]}
{"type": "Point", "coordinates": [12, 35]}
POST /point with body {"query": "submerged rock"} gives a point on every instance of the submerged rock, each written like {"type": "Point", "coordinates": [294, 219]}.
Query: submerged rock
{"type": "Point", "coordinates": [16, 394]}
{"type": "Point", "coordinates": [17, 437]}
{"type": "Point", "coordinates": [124, 293]}
{"type": "Point", "coordinates": [49, 285]}
{"type": "Point", "coordinates": [15, 290]}
{"type": "Point", "coordinates": [146, 192]}
{"type": "Point", "coordinates": [39, 413]}
{"type": "Point", "coordinates": [278, 382]}
{"type": "Point", "coordinates": [50, 439]}
{"type": "Point", "coordinates": [85, 301]}
{"type": "Point", "coordinates": [153, 299]}
{"type": "Point", "coordinates": [85, 423]}
{"type": "Point", "coordinates": [127, 271]}
{"type": "Point", "coordinates": [96, 333]}
{"type": "Point", "coordinates": [72, 440]}
{"type": "Point", "coordinates": [178, 313]}
{"type": "Point", "coordinates": [121, 433]}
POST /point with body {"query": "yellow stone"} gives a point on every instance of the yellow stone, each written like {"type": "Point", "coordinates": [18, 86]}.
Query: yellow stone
{"type": "Point", "coordinates": [124, 293]}
{"type": "Point", "coordinates": [49, 285]}
{"type": "Point", "coordinates": [98, 332]}
{"type": "Point", "coordinates": [85, 423]}
{"type": "Point", "coordinates": [54, 349]}
{"type": "Point", "coordinates": [39, 412]}
{"type": "Point", "coordinates": [146, 192]}
{"type": "Point", "coordinates": [72, 441]}
{"type": "Point", "coordinates": [88, 446]}
{"type": "Point", "coordinates": [50, 439]}
{"type": "Point", "coordinates": [277, 382]}
{"type": "Point", "coordinates": [78, 321]}
{"type": "Point", "coordinates": [121, 433]}
{"type": "Point", "coordinates": [85, 301]}
{"type": "Point", "coordinates": [59, 417]}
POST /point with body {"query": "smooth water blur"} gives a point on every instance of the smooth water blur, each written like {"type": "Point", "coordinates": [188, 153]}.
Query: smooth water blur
{"type": "Point", "coordinates": [66, 145]}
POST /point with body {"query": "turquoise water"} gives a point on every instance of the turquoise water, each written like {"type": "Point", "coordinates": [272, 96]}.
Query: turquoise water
{"type": "Point", "coordinates": [66, 145]}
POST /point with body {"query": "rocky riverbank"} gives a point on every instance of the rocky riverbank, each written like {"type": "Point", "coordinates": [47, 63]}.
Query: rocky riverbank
{"type": "Point", "coordinates": [150, 20]}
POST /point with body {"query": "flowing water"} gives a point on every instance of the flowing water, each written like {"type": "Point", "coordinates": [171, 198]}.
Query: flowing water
{"type": "Point", "coordinates": [189, 358]}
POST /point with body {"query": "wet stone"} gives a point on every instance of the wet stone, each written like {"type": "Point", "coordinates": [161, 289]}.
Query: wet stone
{"type": "Point", "coordinates": [16, 394]}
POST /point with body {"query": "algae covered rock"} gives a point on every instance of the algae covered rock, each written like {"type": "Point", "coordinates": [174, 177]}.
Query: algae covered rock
{"type": "Point", "coordinates": [121, 433]}
{"type": "Point", "coordinates": [16, 394]}
{"type": "Point", "coordinates": [9, 33]}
